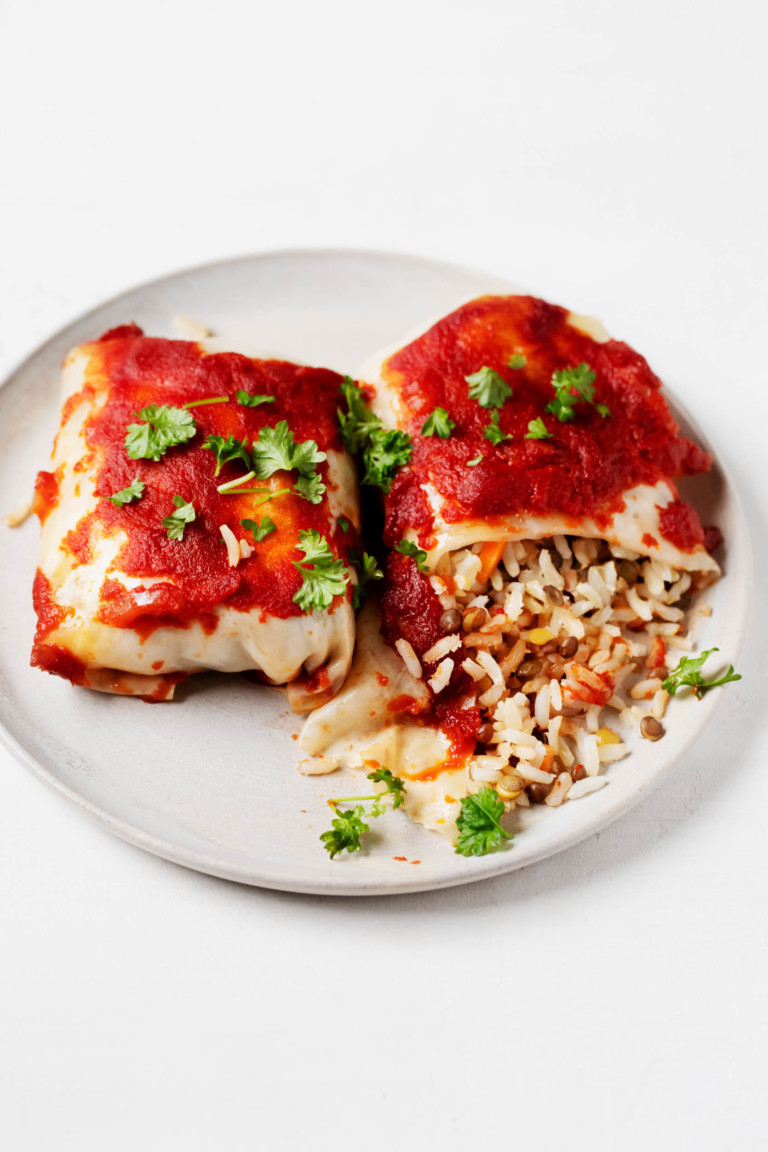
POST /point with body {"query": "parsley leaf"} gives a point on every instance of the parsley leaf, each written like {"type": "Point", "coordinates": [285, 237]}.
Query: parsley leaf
{"type": "Point", "coordinates": [134, 491]}
{"type": "Point", "coordinates": [276, 450]}
{"type": "Point", "coordinates": [249, 401]}
{"type": "Point", "coordinates": [488, 388]}
{"type": "Point", "coordinates": [517, 361]}
{"type": "Point", "coordinates": [438, 423]}
{"type": "Point", "coordinates": [571, 385]}
{"type": "Point", "coordinates": [537, 430]}
{"type": "Point", "coordinates": [367, 570]}
{"type": "Point", "coordinates": [310, 487]}
{"type": "Point", "coordinates": [395, 786]}
{"type": "Point", "coordinates": [346, 829]}
{"type": "Point", "coordinates": [178, 520]}
{"type": "Point", "coordinates": [473, 463]}
{"type": "Point", "coordinates": [478, 823]}
{"type": "Point", "coordinates": [228, 449]}
{"type": "Point", "coordinates": [358, 422]}
{"type": "Point", "coordinates": [603, 409]}
{"type": "Point", "coordinates": [343, 523]}
{"type": "Point", "coordinates": [165, 427]}
{"type": "Point", "coordinates": [349, 824]}
{"type": "Point", "coordinates": [260, 528]}
{"type": "Point", "coordinates": [688, 672]}
{"type": "Point", "coordinates": [492, 431]}
{"type": "Point", "coordinates": [322, 574]}
{"type": "Point", "coordinates": [384, 454]}
{"type": "Point", "coordinates": [408, 548]}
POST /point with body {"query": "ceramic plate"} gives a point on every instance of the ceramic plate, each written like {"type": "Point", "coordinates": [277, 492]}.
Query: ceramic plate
{"type": "Point", "coordinates": [210, 780]}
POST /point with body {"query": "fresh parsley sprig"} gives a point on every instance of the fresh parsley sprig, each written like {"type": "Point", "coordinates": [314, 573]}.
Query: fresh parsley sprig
{"type": "Point", "coordinates": [408, 548]}
{"type": "Point", "coordinates": [688, 673]}
{"type": "Point", "coordinates": [488, 388]}
{"type": "Point", "coordinates": [323, 576]}
{"type": "Point", "coordinates": [349, 824]}
{"type": "Point", "coordinates": [276, 449]}
{"type": "Point", "coordinates": [367, 570]}
{"type": "Point", "coordinates": [134, 491]}
{"type": "Point", "coordinates": [493, 430]}
{"type": "Point", "coordinates": [477, 460]}
{"type": "Point", "coordinates": [358, 422]}
{"type": "Point", "coordinates": [164, 428]}
{"type": "Point", "coordinates": [178, 520]}
{"type": "Point", "coordinates": [310, 487]}
{"type": "Point", "coordinates": [383, 452]}
{"type": "Point", "coordinates": [228, 449]}
{"type": "Point", "coordinates": [438, 423]}
{"type": "Point", "coordinates": [383, 455]}
{"type": "Point", "coordinates": [478, 824]}
{"type": "Point", "coordinates": [537, 430]}
{"type": "Point", "coordinates": [574, 386]}
{"type": "Point", "coordinates": [517, 361]}
{"type": "Point", "coordinates": [249, 401]}
{"type": "Point", "coordinates": [259, 528]}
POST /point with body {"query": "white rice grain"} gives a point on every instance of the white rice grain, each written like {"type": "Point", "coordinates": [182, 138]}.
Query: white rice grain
{"type": "Point", "coordinates": [559, 791]}
{"type": "Point", "coordinates": [409, 658]}
{"type": "Point", "coordinates": [583, 787]}
{"type": "Point", "coordinates": [487, 662]}
{"type": "Point", "coordinates": [443, 646]}
{"type": "Point", "coordinates": [442, 675]}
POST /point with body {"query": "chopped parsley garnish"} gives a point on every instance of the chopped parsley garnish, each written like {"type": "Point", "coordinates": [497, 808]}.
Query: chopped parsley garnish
{"type": "Point", "coordinates": [367, 570]}
{"type": "Point", "coordinates": [473, 463]}
{"type": "Point", "coordinates": [165, 427]}
{"type": "Point", "coordinates": [349, 824]}
{"type": "Point", "coordinates": [343, 523]}
{"type": "Point", "coordinates": [259, 528]}
{"type": "Point", "coordinates": [276, 450]}
{"type": "Point", "coordinates": [383, 455]}
{"type": "Point", "coordinates": [537, 430]}
{"type": "Point", "coordinates": [361, 431]}
{"type": "Point", "coordinates": [574, 386]}
{"type": "Point", "coordinates": [517, 361]}
{"type": "Point", "coordinates": [438, 423]}
{"type": "Point", "coordinates": [178, 520]}
{"type": "Point", "coordinates": [688, 672]}
{"type": "Point", "coordinates": [488, 388]}
{"type": "Point", "coordinates": [408, 548]}
{"type": "Point", "coordinates": [492, 431]}
{"type": "Point", "coordinates": [227, 449]}
{"type": "Point", "coordinates": [209, 400]}
{"type": "Point", "coordinates": [323, 575]}
{"type": "Point", "coordinates": [311, 487]}
{"type": "Point", "coordinates": [358, 422]}
{"type": "Point", "coordinates": [134, 491]}
{"type": "Point", "coordinates": [249, 401]}
{"type": "Point", "coordinates": [478, 823]}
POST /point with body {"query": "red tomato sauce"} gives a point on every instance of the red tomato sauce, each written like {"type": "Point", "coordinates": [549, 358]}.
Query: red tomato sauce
{"type": "Point", "coordinates": [411, 611]}
{"type": "Point", "coordinates": [586, 466]}
{"type": "Point", "coordinates": [187, 579]}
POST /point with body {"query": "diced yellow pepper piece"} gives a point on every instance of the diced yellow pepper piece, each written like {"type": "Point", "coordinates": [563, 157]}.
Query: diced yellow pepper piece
{"type": "Point", "coordinates": [607, 736]}
{"type": "Point", "coordinates": [539, 635]}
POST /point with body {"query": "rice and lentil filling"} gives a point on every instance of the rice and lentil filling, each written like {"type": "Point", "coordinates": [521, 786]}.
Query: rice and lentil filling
{"type": "Point", "coordinates": [538, 662]}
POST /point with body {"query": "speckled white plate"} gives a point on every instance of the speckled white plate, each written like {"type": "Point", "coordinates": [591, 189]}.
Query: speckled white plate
{"type": "Point", "coordinates": [209, 781]}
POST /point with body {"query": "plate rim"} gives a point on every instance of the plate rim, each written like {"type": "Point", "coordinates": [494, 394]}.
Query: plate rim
{"type": "Point", "coordinates": [494, 865]}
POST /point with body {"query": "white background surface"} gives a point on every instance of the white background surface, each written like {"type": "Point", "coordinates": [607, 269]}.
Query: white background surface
{"type": "Point", "coordinates": [613, 158]}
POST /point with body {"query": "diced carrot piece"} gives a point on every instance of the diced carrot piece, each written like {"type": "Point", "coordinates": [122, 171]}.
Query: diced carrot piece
{"type": "Point", "coordinates": [490, 554]}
